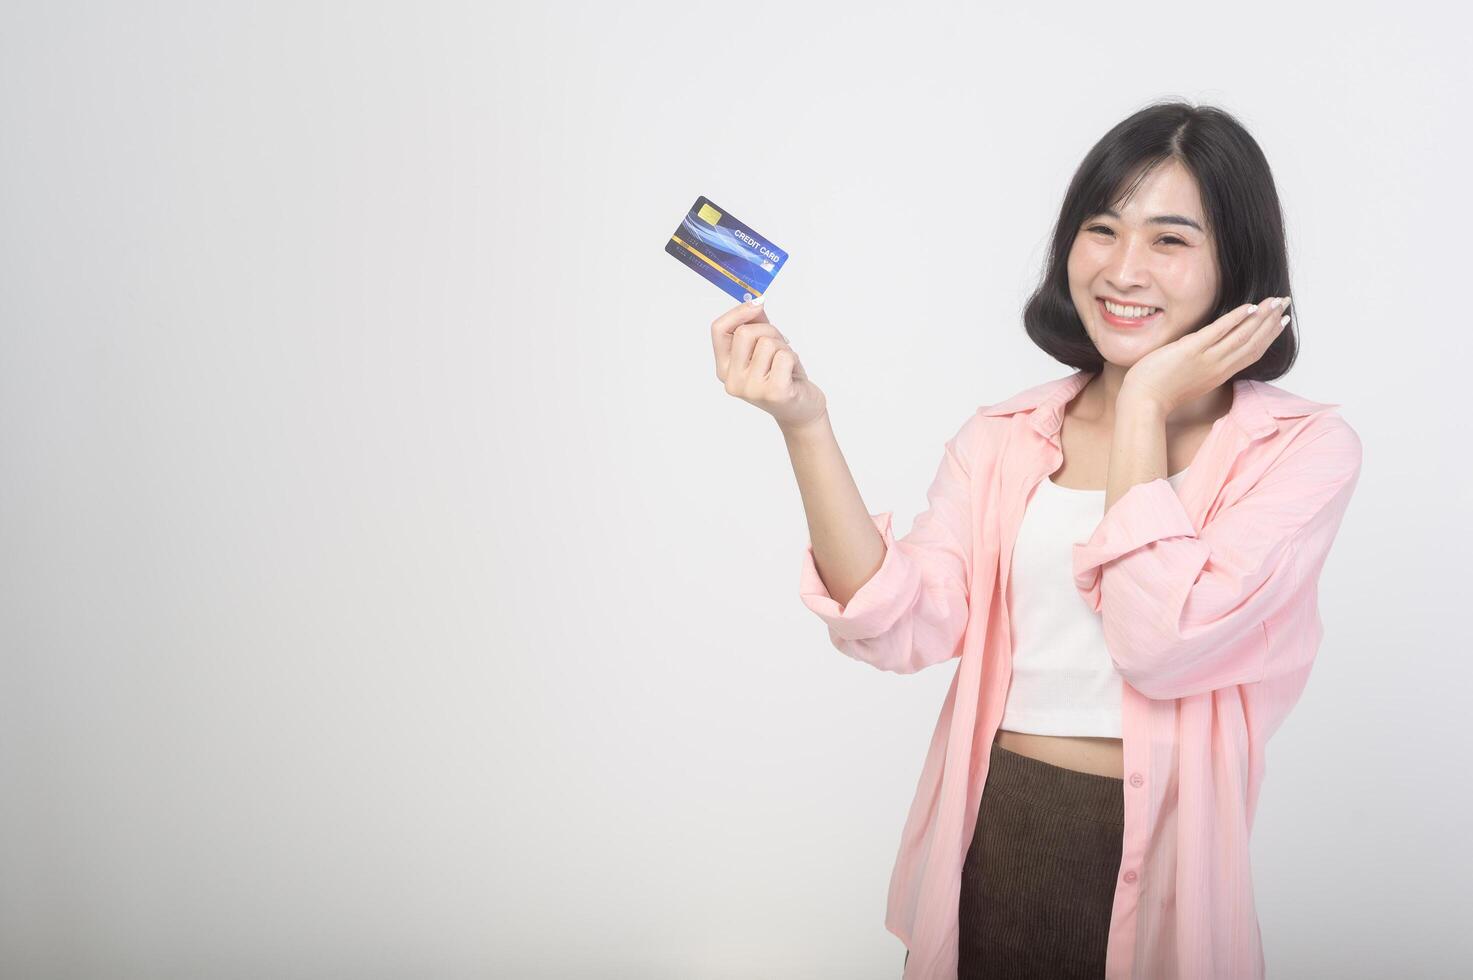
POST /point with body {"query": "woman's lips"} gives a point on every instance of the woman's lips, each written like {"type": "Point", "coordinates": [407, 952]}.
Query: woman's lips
{"type": "Point", "coordinates": [1116, 321]}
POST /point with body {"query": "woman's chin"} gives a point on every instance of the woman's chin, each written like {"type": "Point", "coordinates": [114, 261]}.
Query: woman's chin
{"type": "Point", "coordinates": [1125, 351]}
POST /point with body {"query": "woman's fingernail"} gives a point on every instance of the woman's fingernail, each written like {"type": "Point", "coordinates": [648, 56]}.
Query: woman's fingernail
{"type": "Point", "coordinates": [1287, 301]}
{"type": "Point", "coordinates": [757, 300]}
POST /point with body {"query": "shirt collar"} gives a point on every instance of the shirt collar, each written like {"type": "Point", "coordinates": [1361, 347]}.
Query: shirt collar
{"type": "Point", "coordinates": [1255, 404]}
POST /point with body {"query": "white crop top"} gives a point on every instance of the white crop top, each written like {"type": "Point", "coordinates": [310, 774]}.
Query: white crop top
{"type": "Point", "coordinates": [1064, 682]}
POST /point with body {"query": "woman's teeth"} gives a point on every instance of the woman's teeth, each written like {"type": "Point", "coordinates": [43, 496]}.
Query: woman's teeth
{"type": "Point", "coordinates": [1129, 312]}
{"type": "Point", "coordinates": [1128, 316]}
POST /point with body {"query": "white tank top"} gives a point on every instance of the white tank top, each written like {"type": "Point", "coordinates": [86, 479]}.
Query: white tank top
{"type": "Point", "coordinates": [1063, 680]}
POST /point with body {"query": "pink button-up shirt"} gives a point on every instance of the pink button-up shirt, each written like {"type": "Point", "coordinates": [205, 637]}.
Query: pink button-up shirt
{"type": "Point", "coordinates": [1208, 608]}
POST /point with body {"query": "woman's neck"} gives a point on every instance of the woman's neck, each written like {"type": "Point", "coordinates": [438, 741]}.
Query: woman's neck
{"type": "Point", "coordinates": [1096, 402]}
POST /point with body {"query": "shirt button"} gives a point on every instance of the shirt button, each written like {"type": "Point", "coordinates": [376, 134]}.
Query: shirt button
{"type": "Point", "coordinates": [1130, 876]}
{"type": "Point", "coordinates": [1136, 779]}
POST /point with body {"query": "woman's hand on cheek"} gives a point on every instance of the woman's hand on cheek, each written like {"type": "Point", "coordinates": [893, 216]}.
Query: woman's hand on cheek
{"type": "Point", "coordinates": [1193, 365]}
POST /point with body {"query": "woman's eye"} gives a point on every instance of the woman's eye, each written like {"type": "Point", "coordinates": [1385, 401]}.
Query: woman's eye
{"type": "Point", "coordinates": [1170, 239]}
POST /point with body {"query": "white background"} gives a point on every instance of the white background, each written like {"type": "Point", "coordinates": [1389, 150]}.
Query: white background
{"type": "Point", "coordinates": [390, 589]}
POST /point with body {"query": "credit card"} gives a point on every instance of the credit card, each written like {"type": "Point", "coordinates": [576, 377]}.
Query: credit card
{"type": "Point", "coordinates": [726, 251]}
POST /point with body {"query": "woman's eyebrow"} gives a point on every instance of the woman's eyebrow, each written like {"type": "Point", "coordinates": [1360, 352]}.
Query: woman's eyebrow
{"type": "Point", "coordinates": [1162, 219]}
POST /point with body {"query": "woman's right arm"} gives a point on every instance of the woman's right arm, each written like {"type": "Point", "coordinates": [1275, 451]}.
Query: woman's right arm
{"type": "Point", "coordinates": [911, 611]}
{"type": "Point", "coordinates": [898, 605]}
{"type": "Point", "coordinates": [848, 547]}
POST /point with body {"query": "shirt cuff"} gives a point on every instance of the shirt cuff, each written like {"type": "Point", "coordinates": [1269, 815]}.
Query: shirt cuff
{"type": "Point", "coordinates": [1145, 513]}
{"type": "Point", "coordinates": [879, 602]}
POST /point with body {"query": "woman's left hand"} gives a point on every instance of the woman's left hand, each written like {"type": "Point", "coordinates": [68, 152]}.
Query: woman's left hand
{"type": "Point", "coordinates": [1193, 365]}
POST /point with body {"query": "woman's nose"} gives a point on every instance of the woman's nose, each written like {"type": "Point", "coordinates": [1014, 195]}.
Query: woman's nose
{"type": "Point", "coordinates": [1127, 267]}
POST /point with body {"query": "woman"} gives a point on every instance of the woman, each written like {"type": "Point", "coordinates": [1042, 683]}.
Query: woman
{"type": "Point", "coordinates": [1123, 561]}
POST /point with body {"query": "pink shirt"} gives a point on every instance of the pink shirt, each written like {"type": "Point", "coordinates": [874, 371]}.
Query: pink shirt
{"type": "Point", "coordinates": [1207, 600]}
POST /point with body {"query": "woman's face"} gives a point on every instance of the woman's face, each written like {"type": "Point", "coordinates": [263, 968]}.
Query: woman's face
{"type": "Point", "coordinates": [1164, 263]}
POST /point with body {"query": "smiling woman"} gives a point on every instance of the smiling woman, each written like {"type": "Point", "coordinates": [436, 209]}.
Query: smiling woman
{"type": "Point", "coordinates": [1126, 573]}
{"type": "Point", "coordinates": [1174, 208]}
{"type": "Point", "coordinates": [1149, 264]}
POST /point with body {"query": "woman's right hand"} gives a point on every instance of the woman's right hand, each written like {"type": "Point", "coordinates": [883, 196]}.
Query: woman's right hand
{"type": "Point", "coordinates": [756, 364]}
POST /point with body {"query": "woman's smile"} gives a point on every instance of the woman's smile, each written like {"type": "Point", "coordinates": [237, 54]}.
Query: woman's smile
{"type": "Point", "coordinates": [1125, 322]}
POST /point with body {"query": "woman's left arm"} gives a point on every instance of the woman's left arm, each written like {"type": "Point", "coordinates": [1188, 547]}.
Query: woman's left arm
{"type": "Point", "coordinates": [1182, 609]}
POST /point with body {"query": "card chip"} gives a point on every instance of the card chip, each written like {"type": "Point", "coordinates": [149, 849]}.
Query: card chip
{"type": "Point", "coordinates": [709, 214]}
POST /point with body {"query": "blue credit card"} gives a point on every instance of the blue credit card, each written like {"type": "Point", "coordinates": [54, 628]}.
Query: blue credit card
{"type": "Point", "coordinates": [726, 251]}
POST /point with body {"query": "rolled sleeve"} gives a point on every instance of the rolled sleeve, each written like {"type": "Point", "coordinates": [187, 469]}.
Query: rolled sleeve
{"type": "Point", "coordinates": [879, 602]}
{"type": "Point", "coordinates": [1145, 513]}
{"type": "Point", "coordinates": [913, 611]}
{"type": "Point", "coordinates": [1183, 610]}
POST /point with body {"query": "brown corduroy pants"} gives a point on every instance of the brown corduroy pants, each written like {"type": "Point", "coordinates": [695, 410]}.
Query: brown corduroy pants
{"type": "Point", "coordinates": [1039, 879]}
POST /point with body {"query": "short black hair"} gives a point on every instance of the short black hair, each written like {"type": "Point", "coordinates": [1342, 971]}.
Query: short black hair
{"type": "Point", "coordinates": [1241, 208]}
